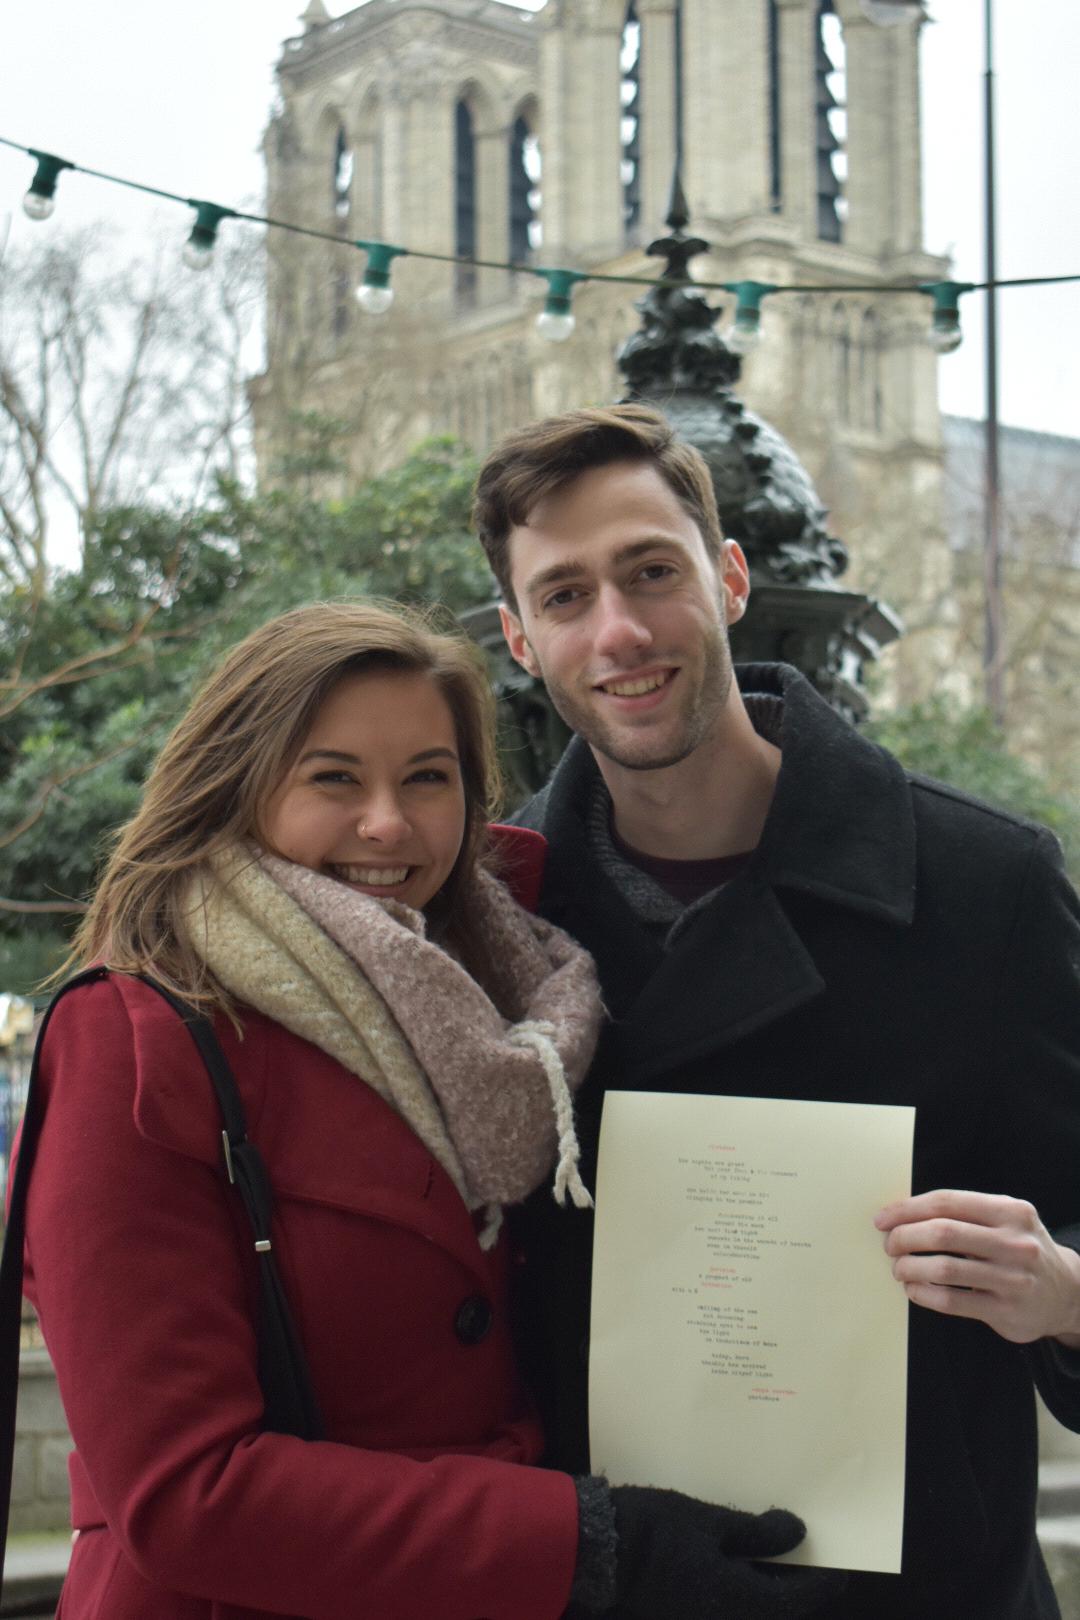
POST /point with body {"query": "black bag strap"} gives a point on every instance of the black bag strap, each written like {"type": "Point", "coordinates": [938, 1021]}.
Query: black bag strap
{"type": "Point", "coordinates": [289, 1402]}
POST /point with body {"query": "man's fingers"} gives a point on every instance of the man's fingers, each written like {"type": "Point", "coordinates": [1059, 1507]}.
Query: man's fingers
{"type": "Point", "coordinates": [984, 1256]}
{"type": "Point", "coordinates": [1001, 1245]}
{"type": "Point", "coordinates": [951, 1301]}
{"type": "Point", "coordinates": [945, 1271]}
{"type": "Point", "coordinates": [952, 1204]}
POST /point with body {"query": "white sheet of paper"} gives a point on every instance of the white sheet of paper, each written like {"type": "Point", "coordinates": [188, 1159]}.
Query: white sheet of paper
{"type": "Point", "coordinates": [749, 1341]}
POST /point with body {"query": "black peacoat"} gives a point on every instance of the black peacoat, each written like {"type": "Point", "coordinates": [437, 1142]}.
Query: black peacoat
{"type": "Point", "coordinates": [891, 940]}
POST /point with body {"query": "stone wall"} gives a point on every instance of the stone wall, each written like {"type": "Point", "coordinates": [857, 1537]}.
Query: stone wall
{"type": "Point", "coordinates": [39, 1487]}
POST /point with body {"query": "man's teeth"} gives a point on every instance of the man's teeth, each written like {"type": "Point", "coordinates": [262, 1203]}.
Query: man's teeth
{"type": "Point", "coordinates": [373, 877]}
{"type": "Point", "coordinates": [648, 683]}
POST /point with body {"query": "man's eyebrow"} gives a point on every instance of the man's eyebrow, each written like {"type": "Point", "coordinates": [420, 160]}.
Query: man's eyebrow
{"type": "Point", "coordinates": [354, 759]}
{"type": "Point", "coordinates": [573, 568]}
{"type": "Point", "coordinates": [553, 575]}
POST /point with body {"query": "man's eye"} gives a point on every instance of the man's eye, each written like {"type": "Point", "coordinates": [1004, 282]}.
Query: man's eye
{"type": "Point", "coordinates": [563, 597]}
{"type": "Point", "coordinates": [655, 571]}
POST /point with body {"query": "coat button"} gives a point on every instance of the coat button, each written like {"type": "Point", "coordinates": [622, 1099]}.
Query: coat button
{"type": "Point", "coordinates": [473, 1318]}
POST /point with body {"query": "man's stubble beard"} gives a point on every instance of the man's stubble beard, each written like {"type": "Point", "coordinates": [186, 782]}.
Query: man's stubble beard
{"type": "Point", "coordinates": [705, 710]}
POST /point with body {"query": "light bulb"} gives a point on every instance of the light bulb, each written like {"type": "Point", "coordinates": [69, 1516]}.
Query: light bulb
{"type": "Point", "coordinates": [36, 206]}
{"type": "Point", "coordinates": [742, 336]}
{"type": "Point", "coordinates": [374, 300]}
{"type": "Point", "coordinates": [197, 255]}
{"type": "Point", "coordinates": [556, 328]}
{"type": "Point", "coordinates": [946, 339]}
{"type": "Point", "coordinates": [40, 200]}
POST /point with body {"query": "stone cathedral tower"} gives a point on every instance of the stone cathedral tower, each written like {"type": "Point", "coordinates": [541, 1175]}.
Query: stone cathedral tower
{"type": "Point", "coordinates": [550, 137]}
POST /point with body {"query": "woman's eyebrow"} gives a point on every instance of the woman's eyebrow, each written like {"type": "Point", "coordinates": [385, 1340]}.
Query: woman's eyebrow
{"type": "Point", "coordinates": [329, 753]}
{"type": "Point", "coordinates": [432, 753]}
{"type": "Point", "coordinates": [354, 759]}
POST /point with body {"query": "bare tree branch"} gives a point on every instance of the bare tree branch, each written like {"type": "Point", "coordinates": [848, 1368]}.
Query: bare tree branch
{"type": "Point", "coordinates": [106, 661]}
{"type": "Point", "coordinates": [38, 907]}
{"type": "Point", "coordinates": [52, 784]}
{"type": "Point", "coordinates": [113, 385]}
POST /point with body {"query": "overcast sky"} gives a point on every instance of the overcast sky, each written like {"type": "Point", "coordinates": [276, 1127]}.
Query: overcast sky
{"type": "Point", "coordinates": [177, 96]}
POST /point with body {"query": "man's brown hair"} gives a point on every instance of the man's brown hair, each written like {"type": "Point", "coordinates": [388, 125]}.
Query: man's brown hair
{"type": "Point", "coordinates": [544, 457]}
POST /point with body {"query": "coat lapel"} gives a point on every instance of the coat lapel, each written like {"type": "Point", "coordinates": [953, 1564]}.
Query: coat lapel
{"type": "Point", "coordinates": [841, 825]}
{"type": "Point", "coordinates": [740, 965]}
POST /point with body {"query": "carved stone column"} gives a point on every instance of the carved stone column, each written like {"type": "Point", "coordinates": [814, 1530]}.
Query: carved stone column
{"type": "Point", "coordinates": [883, 181]}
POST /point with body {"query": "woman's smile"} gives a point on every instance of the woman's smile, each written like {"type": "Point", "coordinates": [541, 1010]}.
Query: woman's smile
{"type": "Point", "coordinates": [375, 797]}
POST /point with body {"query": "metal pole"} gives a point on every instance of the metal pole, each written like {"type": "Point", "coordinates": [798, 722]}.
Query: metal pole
{"type": "Point", "coordinates": [994, 637]}
{"type": "Point", "coordinates": [678, 48]}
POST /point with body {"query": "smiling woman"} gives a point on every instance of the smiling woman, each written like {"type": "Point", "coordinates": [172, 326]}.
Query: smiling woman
{"type": "Point", "coordinates": [362, 680]}
{"type": "Point", "coordinates": [309, 866]}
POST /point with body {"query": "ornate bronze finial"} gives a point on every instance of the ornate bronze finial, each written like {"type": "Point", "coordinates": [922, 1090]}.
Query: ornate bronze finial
{"type": "Point", "coordinates": [677, 249]}
{"type": "Point", "coordinates": [676, 347]}
{"type": "Point", "coordinates": [678, 209]}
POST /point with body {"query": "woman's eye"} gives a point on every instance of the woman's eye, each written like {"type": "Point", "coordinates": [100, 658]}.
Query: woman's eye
{"type": "Point", "coordinates": [332, 778]}
{"type": "Point", "coordinates": [430, 773]}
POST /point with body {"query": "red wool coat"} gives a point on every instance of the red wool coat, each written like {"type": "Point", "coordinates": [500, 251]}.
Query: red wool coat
{"type": "Point", "coordinates": [142, 1269]}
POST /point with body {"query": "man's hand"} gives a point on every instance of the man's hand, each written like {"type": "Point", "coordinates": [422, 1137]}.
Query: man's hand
{"type": "Point", "coordinates": [987, 1257]}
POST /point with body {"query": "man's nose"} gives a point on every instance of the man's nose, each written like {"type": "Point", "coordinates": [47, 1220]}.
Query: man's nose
{"type": "Point", "coordinates": [620, 628]}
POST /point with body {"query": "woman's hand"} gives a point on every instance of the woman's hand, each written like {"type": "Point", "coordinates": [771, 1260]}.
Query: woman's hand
{"type": "Point", "coordinates": [677, 1558]}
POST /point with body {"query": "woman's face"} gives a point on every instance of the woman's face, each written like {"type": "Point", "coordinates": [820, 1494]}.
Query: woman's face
{"type": "Point", "coordinates": [375, 796]}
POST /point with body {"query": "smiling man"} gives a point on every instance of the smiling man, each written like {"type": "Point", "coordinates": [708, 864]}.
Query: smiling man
{"type": "Point", "coordinates": [778, 909]}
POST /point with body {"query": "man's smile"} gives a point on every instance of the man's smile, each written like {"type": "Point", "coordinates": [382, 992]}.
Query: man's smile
{"type": "Point", "coordinates": [632, 686]}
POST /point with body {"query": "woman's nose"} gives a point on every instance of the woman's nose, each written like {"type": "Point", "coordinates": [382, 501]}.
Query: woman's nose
{"type": "Point", "coordinates": [383, 820]}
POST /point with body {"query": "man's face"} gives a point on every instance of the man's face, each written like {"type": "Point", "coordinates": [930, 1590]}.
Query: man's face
{"type": "Point", "coordinates": [623, 614]}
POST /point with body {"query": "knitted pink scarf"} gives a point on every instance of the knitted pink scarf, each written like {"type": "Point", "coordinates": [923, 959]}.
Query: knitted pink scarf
{"type": "Point", "coordinates": [483, 1078]}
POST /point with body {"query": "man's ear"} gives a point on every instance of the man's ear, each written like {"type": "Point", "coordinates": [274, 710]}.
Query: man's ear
{"type": "Point", "coordinates": [735, 580]}
{"type": "Point", "coordinates": [517, 641]}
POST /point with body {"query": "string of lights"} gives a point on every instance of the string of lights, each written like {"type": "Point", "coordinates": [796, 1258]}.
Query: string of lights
{"type": "Point", "coordinates": [375, 293]}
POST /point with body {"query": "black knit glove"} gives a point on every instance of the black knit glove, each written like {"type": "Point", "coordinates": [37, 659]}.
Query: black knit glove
{"type": "Point", "coordinates": [676, 1558]}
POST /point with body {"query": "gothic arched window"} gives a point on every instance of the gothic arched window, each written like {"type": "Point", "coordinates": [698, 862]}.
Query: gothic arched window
{"type": "Point", "coordinates": [525, 176]}
{"type": "Point", "coordinates": [341, 180]}
{"type": "Point", "coordinates": [776, 190]}
{"type": "Point", "coordinates": [630, 127]}
{"type": "Point", "coordinates": [831, 125]}
{"type": "Point", "coordinates": [464, 201]}
{"type": "Point", "coordinates": [341, 204]}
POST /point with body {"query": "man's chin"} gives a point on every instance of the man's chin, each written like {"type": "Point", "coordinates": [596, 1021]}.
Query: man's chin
{"type": "Point", "coordinates": [644, 756]}
{"type": "Point", "coordinates": [653, 747]}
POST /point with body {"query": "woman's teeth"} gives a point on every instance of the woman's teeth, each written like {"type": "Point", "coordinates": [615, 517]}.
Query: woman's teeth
{"type": "Point", "coordinates": [372, 877]}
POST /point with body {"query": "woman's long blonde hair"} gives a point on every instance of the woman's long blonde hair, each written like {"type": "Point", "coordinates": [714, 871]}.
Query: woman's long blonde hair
{"type": "Point", "coordinates": [214, 777]}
